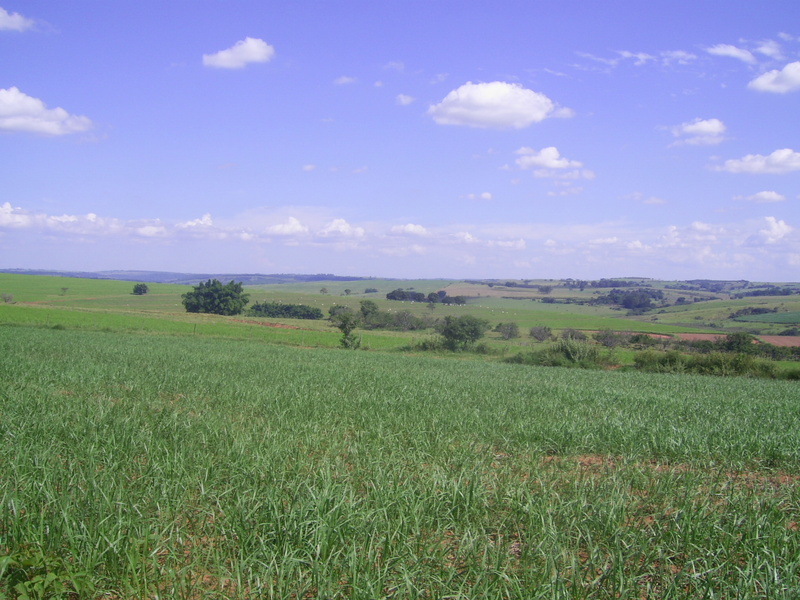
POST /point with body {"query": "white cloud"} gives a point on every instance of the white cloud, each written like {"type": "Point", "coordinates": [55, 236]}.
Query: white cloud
{"type": "Point", "coordinates": [243, 52]}
{"type": "Point", "coordinates": [344, 80]}
{"type": "Point", "coordinates": [495, 105]}
{"type": "Point", "coordinates": [11, 216]}
{"type": "Point", "coordinates": [204, 221]}
{"type": "Point", "coordinates": [340, 227]}
{"type": "Point", "coordinates": [677, 56]}
{"type": "Point", "coordinates": [293, 226]}
{"type": "Point", "coordinates": [770, 48]}
{"type": "Point", "coordinates": [775, 230]}
{"type": "Point", "coordinates": [20, 112]}
{"type": "Point", "coordinates": [548, 163]}
{"type": "Point", "coordinates": [780, 161]}
{"type": "Point", "coordinates": [732, 52]}
{"type": "Point", "coordinates": [640, 58]}
{"type": "Point", "coordinates": [151, 231]}
{"type": "Point", "coordinates": [700, 132]}
{"type": "Point", "coordinates": [763, 197]}
{"type": "Point", "coordinates": [466, 237]}
{"type": "Point", "coordinates": [404, 100]}
{"type": "Point", "coordinates": [410, 229]}
{"type": "Point", "coordinates": [778, 81]}
{"type": "Point", "coordinates": [14, 21]}
{"type": "Point", "coordinates": [548, 158]}
{"type": "Point", "coordinates": [309, 167]}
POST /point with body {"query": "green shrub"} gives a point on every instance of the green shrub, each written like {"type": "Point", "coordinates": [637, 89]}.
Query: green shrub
{"type": "Point", "coordinates": [713, 363]}
{"type": "Point", "coordinates": [660, 362]}
{"type": "Point", "coordinates": [566, 353]}
{"type": "Point", "coordinates": [541, 333]}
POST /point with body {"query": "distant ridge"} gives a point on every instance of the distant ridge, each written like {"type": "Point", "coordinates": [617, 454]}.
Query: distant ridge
{"type": "Point", "coordinates": [188, 278]}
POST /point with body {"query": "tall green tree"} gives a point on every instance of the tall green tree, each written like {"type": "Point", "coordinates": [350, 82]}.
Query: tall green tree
{"type": "Point", "coordinates": [215, 298]}
{"type": "Point", "coordinates": [461, 332]}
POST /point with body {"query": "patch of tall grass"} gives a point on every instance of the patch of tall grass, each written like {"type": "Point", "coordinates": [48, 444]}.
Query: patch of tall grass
{"type": "Point", "coordinates": [713, 363]}
{"type": "Point", "coordinates": [567, 352]}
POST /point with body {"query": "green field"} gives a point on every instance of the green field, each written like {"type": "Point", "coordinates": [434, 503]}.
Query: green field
{"type": "Point", "coordinates": [153, 454]}
{"type": "Point", "coordinates": [785, 318]}
{"type": "Point", "coordinates": [176, 467]}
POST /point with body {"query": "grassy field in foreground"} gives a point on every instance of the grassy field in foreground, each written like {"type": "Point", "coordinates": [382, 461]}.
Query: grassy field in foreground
{"type": "Point", "coordinates": [142, 466]}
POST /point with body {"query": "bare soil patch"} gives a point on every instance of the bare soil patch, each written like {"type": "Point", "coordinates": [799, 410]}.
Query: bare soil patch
{"type": "Point", "coordinates": [781, 340]}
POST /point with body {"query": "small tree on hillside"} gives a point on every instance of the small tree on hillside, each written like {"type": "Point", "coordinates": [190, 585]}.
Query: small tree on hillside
{"type": "Point", "coordinates": [508, 330]}
{"type": "Point", "coordinates": [140, 289]}
{"type": "Point", "coordinates": [461, 332]}
{"type": "Point", "coordinates": [541, 333]}
{"type": "Point", "coordinates": [346, 320]}
{"type": "Point", "coordinates": [215, 298]}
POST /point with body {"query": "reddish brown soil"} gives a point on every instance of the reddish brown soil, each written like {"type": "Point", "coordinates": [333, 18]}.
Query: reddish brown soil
{"type": "Point", "coordinates": [775, 340]}
{"type": "Point", "coordinates": [781, 340]}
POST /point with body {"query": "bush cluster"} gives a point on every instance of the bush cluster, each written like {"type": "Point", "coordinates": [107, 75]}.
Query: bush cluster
{"type": "Point", "coordinates": [567, 353]}
{"type": "Point", "coordinates": [278, 310]}
{"type": "Point", "coordinates": [714, 363]}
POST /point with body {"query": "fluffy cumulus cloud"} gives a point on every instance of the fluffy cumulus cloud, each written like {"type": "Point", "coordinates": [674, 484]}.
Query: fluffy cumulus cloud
{"type": "Point", "coordinates": [785, 160]}
{"type": "Point", "coordinates": [775, 230]}
{"type": "Point", "coordinates": [15, 217]}
{"type": "Point", "coordinates": [732, 52]}
{"type": "Point", "coordinates": [20, 112]}
{"type": "Point", "coordinates": [495, 105]}
{"type": "Point", "coordinates": [204, 221]}
{"type": "Point", "coordinates": [292, 226]}
{"type": "Point", "coordinates": [763, 197]}
{"type": "Point", "coordinates": [778, 81]}
{"type": "Point", "coordinates": [13, 21]}
{"type": "Point", "coordinates": [340, 227]}
{"type": "Point", "coordinates": [548, 158]}
{"type": "Point", "coordinates": [11, 216]}
{"type": "Point", "coordinates": [548, 162]}
{"type": "Point", "coordinates": [700, 132]}
{"type": "Point", "coordinates": [248, 50]}
{"type": "Point", "coordinates": [404, 100]}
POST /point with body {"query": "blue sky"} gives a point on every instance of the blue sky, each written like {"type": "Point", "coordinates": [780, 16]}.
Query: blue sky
{"type": "Point", "coordinates": [403, 138]}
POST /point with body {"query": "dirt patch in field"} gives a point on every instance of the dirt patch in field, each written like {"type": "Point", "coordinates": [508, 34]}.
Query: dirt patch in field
{"type": "Point", "coordinates": [775, 340]}
{"type": "Point", "coordinates": [781, 340]}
